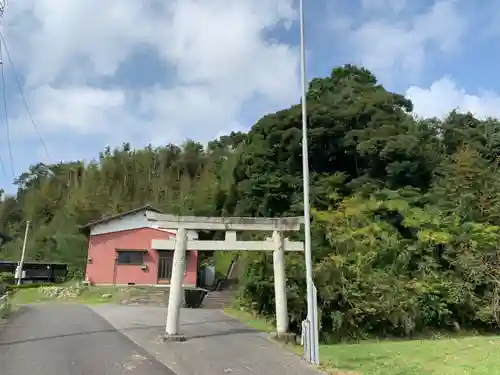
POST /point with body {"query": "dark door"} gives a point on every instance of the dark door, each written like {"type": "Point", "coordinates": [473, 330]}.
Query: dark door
{"type": "Point", "coordinates": [165, 267]}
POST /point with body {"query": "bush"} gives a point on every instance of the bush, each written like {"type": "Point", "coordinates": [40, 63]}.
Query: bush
{"type": "Point", "coordinates": [6, 278]}
{"type": "Point", "coordinates": [390, 269]}
{"type": "Point", "coordinates": [14, 288]}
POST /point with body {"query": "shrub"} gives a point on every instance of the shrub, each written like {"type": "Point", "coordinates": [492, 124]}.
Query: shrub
{"type": "Point", "coordinates": [7, 278]}
{"type": "Point", "coordinates": [14, 288]}
{"type": "Point", "coordinates": [391, 268]}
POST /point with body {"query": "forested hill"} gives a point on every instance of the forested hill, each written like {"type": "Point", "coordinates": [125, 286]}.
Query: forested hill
{"type": "Point", "coordinates": [406, 210]}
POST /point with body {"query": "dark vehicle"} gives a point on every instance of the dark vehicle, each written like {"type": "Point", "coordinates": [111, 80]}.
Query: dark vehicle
{"type": "Point", "coordinates": [37, 272]}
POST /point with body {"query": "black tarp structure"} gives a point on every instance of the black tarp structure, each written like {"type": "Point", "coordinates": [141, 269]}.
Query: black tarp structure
{"type": "Point", "coordinates": [37, 272]}
{"type": "Point", "coordinates": [4, 238]}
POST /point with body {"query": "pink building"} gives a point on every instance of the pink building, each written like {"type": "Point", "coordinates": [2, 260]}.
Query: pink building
{"type": "Point", "coordinates": [120, 252]}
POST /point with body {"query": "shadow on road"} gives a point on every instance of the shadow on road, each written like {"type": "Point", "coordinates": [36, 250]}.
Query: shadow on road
{"type": "Point", "coordinates": [235, 331]}
{"type": "Point", "coordinates": [12, 326]}
{"type": "Point", "coordinates": [34, 339]}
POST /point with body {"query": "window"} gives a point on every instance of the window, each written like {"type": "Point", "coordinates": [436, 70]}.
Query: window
{"type": "Point", "coordinates": [130, 257]}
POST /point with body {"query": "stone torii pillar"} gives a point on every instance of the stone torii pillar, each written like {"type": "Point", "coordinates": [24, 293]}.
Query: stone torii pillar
{"type": "Point", "coordinates": [181, 244]}
{"type": "Point", "coordinates": [280, 284]}
{"type": "Point", "coordinates": [175, 297]}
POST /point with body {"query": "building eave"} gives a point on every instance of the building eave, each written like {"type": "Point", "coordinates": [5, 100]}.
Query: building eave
{"type": "Point", "coordinates": [87, 227]}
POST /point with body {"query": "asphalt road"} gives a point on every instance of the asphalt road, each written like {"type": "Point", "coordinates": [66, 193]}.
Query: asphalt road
{"type": "Point", "coordinates": [60, 339]}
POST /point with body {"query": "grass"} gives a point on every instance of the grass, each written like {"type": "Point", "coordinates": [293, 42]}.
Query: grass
{"type": "Point", "coordinates": [25, 296]}
{"type": "Point", "coordinates": [92, 295]}
{"type": "Point", "coordinates": [251, 320]}
{"type": "Point", "coordinates": [474, 355]}
{"type": "Point", "coordinates": [452, 356]}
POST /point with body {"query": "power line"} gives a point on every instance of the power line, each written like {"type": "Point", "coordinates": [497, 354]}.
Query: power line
{"type": "Point", "coordinates": [19, 86]}
{"type": "Point", "coordinates": [6, 113]}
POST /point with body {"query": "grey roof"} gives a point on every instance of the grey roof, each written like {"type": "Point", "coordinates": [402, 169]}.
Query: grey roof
{"type": "Point", "coordinates": [146, 207]}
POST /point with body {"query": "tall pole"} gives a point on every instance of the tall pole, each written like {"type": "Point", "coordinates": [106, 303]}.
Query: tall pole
{"type": "Point", "coordinates": [305, 171]}
{"type": "Point", "coordinates": [21, 263]}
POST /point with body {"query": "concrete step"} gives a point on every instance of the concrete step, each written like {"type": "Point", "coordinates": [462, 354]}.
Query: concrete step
{"type": "Point", "coordinates": [155, 296]}
{"type": "Point", "coordinates": [219, 300]}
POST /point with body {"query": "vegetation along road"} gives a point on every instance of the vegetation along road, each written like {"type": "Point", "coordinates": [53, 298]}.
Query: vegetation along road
{"type": "Point", "coordinates": [69, 339]}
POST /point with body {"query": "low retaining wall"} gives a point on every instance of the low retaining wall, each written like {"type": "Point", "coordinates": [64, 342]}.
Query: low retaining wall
{"type": "Point", "coordinates": [4, 306]}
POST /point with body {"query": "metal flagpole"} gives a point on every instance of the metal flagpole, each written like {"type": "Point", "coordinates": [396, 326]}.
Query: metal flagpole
{"type": "Point", "coordinates": [311, 352]}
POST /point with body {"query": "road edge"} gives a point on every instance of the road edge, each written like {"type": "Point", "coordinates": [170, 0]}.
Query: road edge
{"type": "Point", "coordinates": [13, 314]}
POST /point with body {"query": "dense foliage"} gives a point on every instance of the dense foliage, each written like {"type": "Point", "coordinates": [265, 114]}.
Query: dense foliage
{"type": "Point", "coordinates": [406, 210]}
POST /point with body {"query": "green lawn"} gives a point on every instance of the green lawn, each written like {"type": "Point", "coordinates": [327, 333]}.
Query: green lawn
{"type": "Point", "coordinates": [91, 295]}
{"type": "Point", "coordinates": [250, 320]}
{"type": "Point", "coordinates": [473, 355]}
{"type": "Point", "coordinates": [479, 355]}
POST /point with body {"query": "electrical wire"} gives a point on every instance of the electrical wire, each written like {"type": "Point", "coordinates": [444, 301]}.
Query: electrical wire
{"type": "Point", "coordinates": [19, 86]}
{"type": "Point", "coordinates": [6, 113]}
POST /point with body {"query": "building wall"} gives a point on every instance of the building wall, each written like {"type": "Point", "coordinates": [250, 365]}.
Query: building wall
{"type": "Point", "coordinates": [104, 270]}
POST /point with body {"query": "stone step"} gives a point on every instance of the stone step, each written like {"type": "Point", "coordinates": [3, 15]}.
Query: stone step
{"type": "Point", "coordinates": [219, 300]}
{"type": "Point", "coordinates": [152, 296]}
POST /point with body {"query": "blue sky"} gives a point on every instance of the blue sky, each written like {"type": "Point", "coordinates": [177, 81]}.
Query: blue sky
{"type": "Point", "coordinates": [158, 71]}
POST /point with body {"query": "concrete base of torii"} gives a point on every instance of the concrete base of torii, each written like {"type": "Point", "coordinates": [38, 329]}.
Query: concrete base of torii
{"type": "Point", "coordinates": [287, 338]}
{"type": "Point", "coordinates": [174, 338]}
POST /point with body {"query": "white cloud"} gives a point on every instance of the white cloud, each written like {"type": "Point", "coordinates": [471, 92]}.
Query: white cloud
{"type": "Point", "coordinates": [217, 50]}
{"type": "Point", "coordinates": [53, 39]}
{"type": "Point", "coordinates": [444, 95]}
{"type": "Point", "coordinates": [394, 44]}
{"type": "Point", "coordinates": [78, 109]}
{"type": "Point", "coordinates": [188, 112]}
{"type": "Point", "coordinates": [395, 6]}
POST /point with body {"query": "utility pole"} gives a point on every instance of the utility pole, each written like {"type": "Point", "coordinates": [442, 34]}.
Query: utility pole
{"type": "Point", "coordinates": [21, 263]}
{"type": "Point", "coordinates": [312, 346]}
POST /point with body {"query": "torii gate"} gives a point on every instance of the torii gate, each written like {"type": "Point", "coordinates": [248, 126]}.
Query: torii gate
{"type": "Point", "coordinates": [277, 243]}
